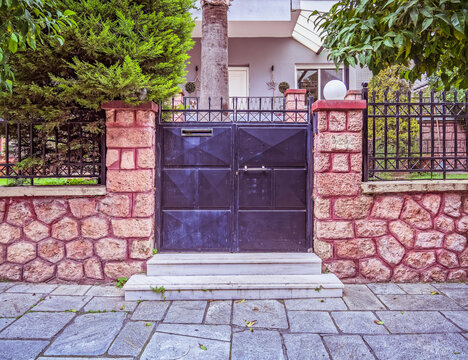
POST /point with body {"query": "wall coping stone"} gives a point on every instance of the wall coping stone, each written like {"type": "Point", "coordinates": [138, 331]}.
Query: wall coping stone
{"type": "Point", "coordinates": [122, 105]}
{"type": "Point", "coordinates": [295, 91]}
{"type": "Point", "coordinates": [413, 186]}
{"type": "Point", "coordinates": [344, 105]}
{"type": "Point", "coordinates": [54, 191]}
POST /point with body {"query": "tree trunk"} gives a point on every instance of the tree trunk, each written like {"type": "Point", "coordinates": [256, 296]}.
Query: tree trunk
{"type": "Point", "coordinates": [214, 55]}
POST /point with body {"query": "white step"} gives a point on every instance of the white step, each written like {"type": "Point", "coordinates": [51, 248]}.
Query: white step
{"type": "Point", "coordinates": [221, 287]}
{"type": "Point", "coordinates": [195, 264]}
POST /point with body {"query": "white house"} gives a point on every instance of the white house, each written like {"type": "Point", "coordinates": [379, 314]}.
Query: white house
{"type": "Point", "coordinates": [271, 41]}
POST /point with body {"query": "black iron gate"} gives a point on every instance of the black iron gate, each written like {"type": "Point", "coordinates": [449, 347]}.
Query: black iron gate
{"type": "Point", "coordinates": [234, 186]}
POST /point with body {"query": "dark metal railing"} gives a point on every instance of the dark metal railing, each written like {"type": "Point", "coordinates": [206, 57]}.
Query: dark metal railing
{"type": "Point", "coordinates": [409, 136]}
{"type": "Point", "coordinates": [236, 109]}
{"type": "Point", "coordinates": [32, 152]}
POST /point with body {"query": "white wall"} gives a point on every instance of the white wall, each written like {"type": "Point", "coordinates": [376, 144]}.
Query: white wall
{"type": "Point", "coordinates": [255, 10]}
{"type": "Point", "coordinates": [259, 54]}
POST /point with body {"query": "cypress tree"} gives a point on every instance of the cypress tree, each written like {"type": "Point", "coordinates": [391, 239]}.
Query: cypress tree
{"type": "Point", "coordinates": [131, 50]}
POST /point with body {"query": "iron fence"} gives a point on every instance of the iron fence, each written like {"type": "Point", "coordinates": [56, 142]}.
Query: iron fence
{"type": "Point", "coordinates": [38, 150]}
{"type": "Point", "coordinates": [236, 110]}
{"type": "Point", "coordinates": [412, 136]}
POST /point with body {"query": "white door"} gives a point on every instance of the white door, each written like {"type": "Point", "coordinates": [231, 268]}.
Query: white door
{"type": "Point", "coordinates": [239, 85]}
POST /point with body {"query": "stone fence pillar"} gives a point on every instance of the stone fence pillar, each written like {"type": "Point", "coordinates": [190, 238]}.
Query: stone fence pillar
{"type": "Point", "coordinates": [295, 100]}
{"type": "Point", "coordinates": [131, 151]}
{"type": "Point", "coordinates": [337, 179]}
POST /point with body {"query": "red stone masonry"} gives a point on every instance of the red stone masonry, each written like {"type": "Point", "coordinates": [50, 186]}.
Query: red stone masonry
{"type": "Point", "coordinates": [390, 237]}
{"type": "Point", "coordinates": [89, 239]}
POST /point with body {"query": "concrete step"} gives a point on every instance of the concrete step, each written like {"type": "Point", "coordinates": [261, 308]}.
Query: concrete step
{"type": "Point", "coordinates": [230, 287]}
{"type": "Point", "coordinates": [195, 264]}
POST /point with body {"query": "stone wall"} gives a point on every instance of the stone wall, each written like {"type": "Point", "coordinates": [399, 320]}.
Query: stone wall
{"type": "Point", "coordinates": [388, 237]}
{"type": "Point", "coordinates": [89, 239]}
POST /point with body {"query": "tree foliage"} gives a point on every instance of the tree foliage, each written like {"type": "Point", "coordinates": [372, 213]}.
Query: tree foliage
{"type": "Point", "coordinates": [134, 50]}
{"type": "Point", "coordinates": [24, 23]}
{"type": "Point", "coordinates": [427, 36]}
{"type": "Point", "coordinates": [391, 132]}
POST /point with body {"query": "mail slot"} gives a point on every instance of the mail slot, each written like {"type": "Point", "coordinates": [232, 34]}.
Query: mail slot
{"type": "Point", "coordinates": [196, 132]}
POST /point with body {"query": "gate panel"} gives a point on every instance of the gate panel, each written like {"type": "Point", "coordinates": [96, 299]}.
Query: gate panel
{"type": "Point", "coordinates": [195, 230]}
{"type": "Point", "coordinates": [196, 188]}
{"type": "Point", "coordinates": [272, 189]}
{"type": "Point", "coordinates": [272, 231]}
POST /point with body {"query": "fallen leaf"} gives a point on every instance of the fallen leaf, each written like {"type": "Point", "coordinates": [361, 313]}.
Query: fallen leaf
{"type": "Point", "coordinates": [249, 324]}
{"type": "Point", "coordinates": [456, 352]}
{"type": "Point", "coordinates": [281, 301]}
{"type": "Point", "coordinates": [402, 312]}
{"type": "Point", "coordinates": [379, 322]}
{"type": "Point", "coordinates": [318, 289]}
{"type": "Point", "coordinates": [122, 307]}
{"type": "Point", "coordinates": [240, 301]}
{"type": "Point", "coordinates": [203, 347]}
{"type": "Point", "coordinates": [255, 309]}
{"type": "Point", "coordinates": [435, 293]}
{"type": "Point", "coordinates": [321, 300]}
{"type": "Point", "coordinates": [148, 324]}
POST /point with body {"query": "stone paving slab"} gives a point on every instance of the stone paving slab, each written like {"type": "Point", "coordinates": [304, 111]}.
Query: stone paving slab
{"type": "Point", "coordinates": [37, 325]}
{"type": "Point", "coordinates": [419, 347]}
{"type": "Point", "coordinates": [419, 302]}
{"type": "Point", "coordinates": [4, 322]}
{"type": "Point", "coordinates": [151, 310]}
{"type": "Point", "coordinates": [413, 322]}
{"type": "Point", "coordinates": [186, 312]}
{"type": "Point", "coordinates": [358, 322]}
{"type": "Point", "coordinates": [62, 303]}
{"type": "Point", "coordinates": [21, 349]}
{"type": "Point", "coordinates": [5, 286]}
{"type": "Point", "coordinates": [32, 288]}
{"type": "Point", "coordinates": [359, 297]}
{"type": "Point", "coordinates": [13, 305]}
{"type": "Point", "coordinates": [71, 290]}
{"type": "Point", "coordinates": [305, 347]}
{"type": "Point", "coordinates": [105, 291]}
{"type": "Point", "coordinates": [266, 313]}
{"type": "Point", "coordinates": [460, 318]}
{"type": "Point", "coordinates": [82, 358]}
{"type": "Point", "coordinates": [169, 347]}
{"type": "Point", "coordinates": [344, 347]}
{"type": "Point", "coordinates": [418, 289]}
{"type": "Point", "coordinates": [257, 345]}
{"type": "Point", "coordinates": [219, 312]}
{"type": "Point", "coordinates": [448, 286]}
{"type": "Point", "coordinates": [212, 332]}
{"type": "Point", "coordinates": [89, 334]}
{"type": "Point", "coordinates": [385, 289]}
{"type": "Point", "coordinates": [132, 338]}
{"type": "Point", "coordinates": [311, 322]}
{"type": "Point", "coordinates": [316, 304]}
{"type": "Point", "coordinates": [108, 303]}
{"type": "Point", "coordinates": [458, 295]}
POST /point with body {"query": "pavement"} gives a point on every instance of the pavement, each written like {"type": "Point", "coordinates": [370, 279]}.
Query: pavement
{"type": "Point", "coordinates": [374, 321]}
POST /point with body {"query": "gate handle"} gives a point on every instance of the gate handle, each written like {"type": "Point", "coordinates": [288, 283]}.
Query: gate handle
{"type": "Point", "coordinates": [263, 168]}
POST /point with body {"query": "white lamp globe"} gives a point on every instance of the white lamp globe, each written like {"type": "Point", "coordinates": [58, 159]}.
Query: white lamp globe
{"type": "Point", "coordinates": [334, 90]}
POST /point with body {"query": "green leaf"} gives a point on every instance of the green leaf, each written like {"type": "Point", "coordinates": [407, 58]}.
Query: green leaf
{"type": "Point", "coordinates": [388, 42]}
{"type": "Point", "coordinates": [426, 23]}
{"type": "Point", "coordinates": [414, 16]}
{"type": "Point", "coordinates": [13, 43]}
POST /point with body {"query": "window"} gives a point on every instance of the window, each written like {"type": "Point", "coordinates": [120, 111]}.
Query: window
{"type": "Point", "coordinates": [315, 79]}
